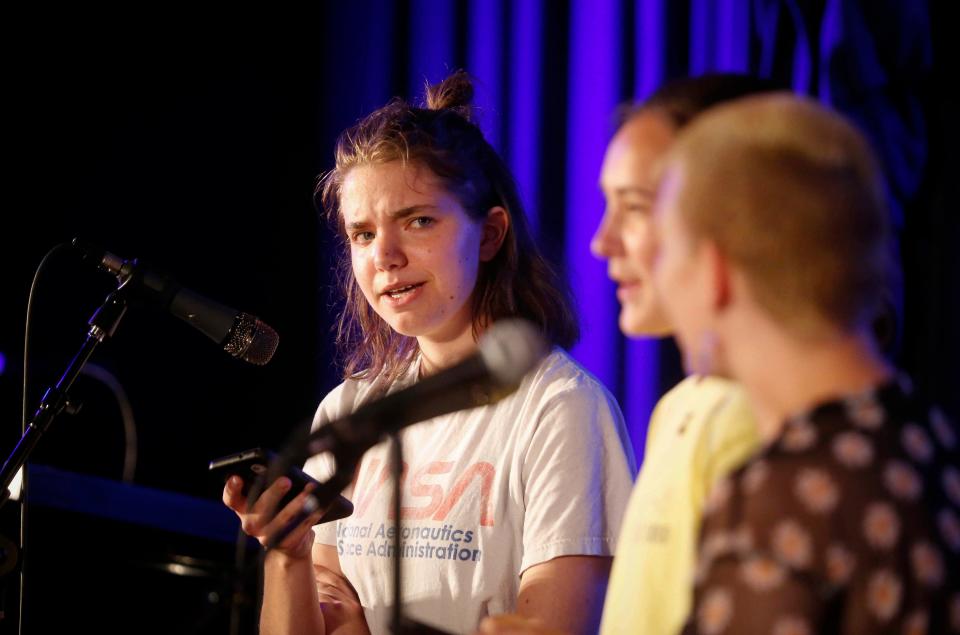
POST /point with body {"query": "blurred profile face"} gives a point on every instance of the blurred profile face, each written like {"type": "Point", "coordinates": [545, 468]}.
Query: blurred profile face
{"type": "Point", "coordinates": [414, 250]}
{"type": "Point", "coordinates": [683, 278]}
{"type": "Point", "coordinates": [624, 238]}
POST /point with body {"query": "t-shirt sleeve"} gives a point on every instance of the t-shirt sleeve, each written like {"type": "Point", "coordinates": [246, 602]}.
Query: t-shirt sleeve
{"type": "Point", "coordinates": [321, 466]}
{"type": "Point", "coordinates": [577, 475]}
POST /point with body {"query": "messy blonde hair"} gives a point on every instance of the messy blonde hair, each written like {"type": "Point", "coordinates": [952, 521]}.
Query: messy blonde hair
{"type": "Point", "coordinates": [441, 137]}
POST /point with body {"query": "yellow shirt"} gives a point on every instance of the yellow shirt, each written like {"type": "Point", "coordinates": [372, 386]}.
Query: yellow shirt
{"type": "Point", "coordinates": [700, 431]}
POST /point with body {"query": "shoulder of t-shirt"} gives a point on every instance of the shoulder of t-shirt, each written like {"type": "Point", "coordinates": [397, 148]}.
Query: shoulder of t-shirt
{"type": "Point", "coordinates": [559, 389]}
{"type": "Point", "coordinates": [677, 395]}
{"type": "Point", "coordinates": [559, 375]}
{"type": "Point", "coordinates": [723, 416]}
{"type": "Point", "coordinates": [730, 430]}
{"type": "Point", "coordinates": [706, 393]}
{"type": "Point", "coordinates": [341, 401]}
{"type": "Point", "coordinates": [353, 392]}
{"type": "Point", "coordinates": [666, 408]}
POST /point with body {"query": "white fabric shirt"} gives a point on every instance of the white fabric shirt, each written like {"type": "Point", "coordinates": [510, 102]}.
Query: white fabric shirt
{"type": "Point", "coordinates": [487, 493]}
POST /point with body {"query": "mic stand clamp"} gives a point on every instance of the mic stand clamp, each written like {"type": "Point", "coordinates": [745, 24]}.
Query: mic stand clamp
{"type": "Point", "coordinates": [56, 400]}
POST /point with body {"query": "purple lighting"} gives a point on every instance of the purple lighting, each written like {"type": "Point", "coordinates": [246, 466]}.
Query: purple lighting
{"type": "Point", "coordinates": [649, 47]}
{"type": "Point", "coordinates": [719, 36]}
{"type": "Point", "coordinates": [593, 95]}
{"type": "Point", "coordinates": [523, 129]}
{"type": "Point", "coordinates": [431, 42]}
{"type": "Point", "coordinates": [483, 62]}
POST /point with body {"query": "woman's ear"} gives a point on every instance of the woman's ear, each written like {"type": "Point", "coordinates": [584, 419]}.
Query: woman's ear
{"type": "Point", "coordinates": [495, 227]}
{"type": "Point", "coordinates": [719, 277]}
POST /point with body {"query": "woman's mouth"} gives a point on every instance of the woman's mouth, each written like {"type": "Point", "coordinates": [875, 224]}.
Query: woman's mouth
{"type": "Point", "coordinates": [626, 289]}
{"type": "Point", "coordinates": [400, 291]}
{"type": "Point", "coordinates": [399, 296]}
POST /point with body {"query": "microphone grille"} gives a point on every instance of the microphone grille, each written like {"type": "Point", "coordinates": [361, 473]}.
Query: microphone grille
{"type": "Point", "coordinates": [511, 348]}
{"type": "Point", "coordinates": [251, 340]}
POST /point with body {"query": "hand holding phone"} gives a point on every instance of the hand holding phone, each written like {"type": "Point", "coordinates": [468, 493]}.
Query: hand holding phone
{"type": "Point", "coordinates": [254, 464]}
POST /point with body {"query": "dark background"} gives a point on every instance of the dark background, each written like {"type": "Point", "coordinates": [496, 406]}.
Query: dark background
{"type": "Point", "coordinates": [191, 137]}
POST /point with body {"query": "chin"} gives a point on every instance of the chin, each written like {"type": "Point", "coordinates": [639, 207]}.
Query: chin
{"type": "Point", "coordinates": [409, 326]}
{"type": "Point", "coordinates": [405, 327]}
{"type": "Point", "coordinates": [401, 324]}
{"type": "Point", "coordinates": [642, 324]}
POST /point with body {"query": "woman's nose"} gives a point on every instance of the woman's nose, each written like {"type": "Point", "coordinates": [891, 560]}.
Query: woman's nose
{"type": "Point", "coordinates": [387, 252]}
{"type": "Point", "coordinates": [606, 241]}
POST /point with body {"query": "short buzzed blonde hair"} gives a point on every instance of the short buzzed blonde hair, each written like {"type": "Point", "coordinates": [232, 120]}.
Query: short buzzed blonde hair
{"type": "Point", "coordinates": [791, 193]}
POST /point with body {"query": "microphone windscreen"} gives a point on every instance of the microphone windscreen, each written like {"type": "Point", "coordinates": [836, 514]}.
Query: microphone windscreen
{"type": "Point", "coordinates": [251, 340]}
{"type": "Point", "coordinates": [510, 349]}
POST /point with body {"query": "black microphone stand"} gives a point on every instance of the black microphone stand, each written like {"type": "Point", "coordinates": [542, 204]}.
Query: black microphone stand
{"type": "Point", "coordinates": [56, 400]}
{"type": "Point", "coordinates": [396, 469]}
{"type": "Point", "coordinates": [399, 624]}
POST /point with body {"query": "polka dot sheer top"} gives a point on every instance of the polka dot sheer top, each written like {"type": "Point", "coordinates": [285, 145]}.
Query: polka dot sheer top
{"type": "Point", "coordinates": [848, 522]}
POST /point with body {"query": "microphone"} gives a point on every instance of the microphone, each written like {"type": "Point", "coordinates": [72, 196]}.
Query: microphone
{"type": "Point", "coordinates": [242, 335]}
{"type": "Point", "coordinates": [507, 351]}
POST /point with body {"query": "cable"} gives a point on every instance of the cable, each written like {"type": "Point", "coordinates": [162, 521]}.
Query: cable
{"type": "Point", "coordinates": [23, 421]}
{"type": "Point", "coordinates": [110, 380]}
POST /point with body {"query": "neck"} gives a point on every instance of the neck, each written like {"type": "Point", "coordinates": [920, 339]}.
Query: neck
{"type": "Point", "coordinates": [437, 353]}
{"type": "Point", "coordinates": [784, 375]}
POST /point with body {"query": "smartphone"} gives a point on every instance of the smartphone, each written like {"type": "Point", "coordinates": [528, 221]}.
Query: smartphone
{"type": "Point", "coordinates": [254, 463]}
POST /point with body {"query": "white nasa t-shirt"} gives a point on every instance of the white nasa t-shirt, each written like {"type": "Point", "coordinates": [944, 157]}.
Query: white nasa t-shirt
{"type": "Point", "coordinates": [487, 493]}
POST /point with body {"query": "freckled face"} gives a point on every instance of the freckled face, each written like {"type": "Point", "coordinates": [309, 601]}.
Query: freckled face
{"type": "Point", "coordinates": [624, 237]}
{"type": "Point", "coordinates": [414, 250]}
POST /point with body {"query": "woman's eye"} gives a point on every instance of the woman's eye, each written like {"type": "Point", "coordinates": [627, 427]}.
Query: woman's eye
{"type": "Point", "coordinates": [422, 221]}
{"type": "Point", "coordinates": [637, 208]}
